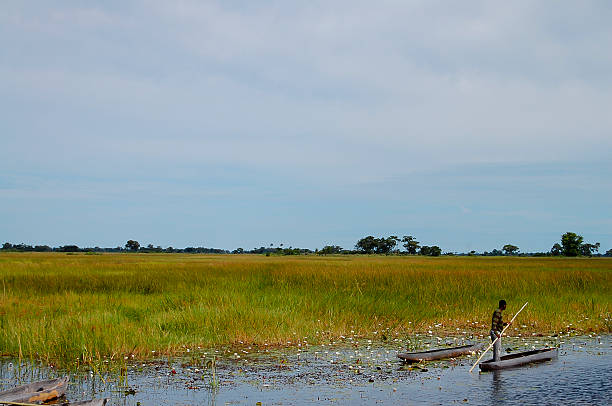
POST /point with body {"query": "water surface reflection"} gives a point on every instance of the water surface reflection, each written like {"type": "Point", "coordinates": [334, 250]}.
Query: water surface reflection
{"type": "Point", "coordinates": [346, 374]}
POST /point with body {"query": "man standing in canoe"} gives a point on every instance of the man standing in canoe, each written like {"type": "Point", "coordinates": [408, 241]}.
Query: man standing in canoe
{"type": "Point", "coordinates": [497, 325]}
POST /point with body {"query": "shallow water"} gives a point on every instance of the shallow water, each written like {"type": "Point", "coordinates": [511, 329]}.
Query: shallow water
{"type": "Point", "coordinates": [351, 372]}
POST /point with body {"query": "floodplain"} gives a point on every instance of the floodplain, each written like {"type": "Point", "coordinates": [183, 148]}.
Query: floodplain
{"type": "Point", "coordinates": [79, 309]}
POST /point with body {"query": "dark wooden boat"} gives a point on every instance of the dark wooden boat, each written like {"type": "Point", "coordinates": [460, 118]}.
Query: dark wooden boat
{"type": "Point", "coordinates": [518, 359]}
{"type": "Point", "coordinates": [440, 353]}
{"type": "Point", "coordinates": [36, 393]}
{"type": "Point", "coordinates": [94, 402]}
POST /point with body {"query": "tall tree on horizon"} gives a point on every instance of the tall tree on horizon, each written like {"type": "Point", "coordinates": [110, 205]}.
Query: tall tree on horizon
{"type": "Point", "coordinates": [570, 243]}
{"type": "Point", "coordinates": [132, 245]}
{"type": "Point", "coordinates": [510, 249]}
{"type": "Point", "coordinates": [411, 244]}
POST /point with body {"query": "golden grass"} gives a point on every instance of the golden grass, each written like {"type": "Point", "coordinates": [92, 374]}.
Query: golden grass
{"type": "Point", "coordinates": [63, 308]}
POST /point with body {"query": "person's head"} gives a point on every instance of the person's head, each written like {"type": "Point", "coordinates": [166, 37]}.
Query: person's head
{"type": "Point", "coordinates": [502, 304]}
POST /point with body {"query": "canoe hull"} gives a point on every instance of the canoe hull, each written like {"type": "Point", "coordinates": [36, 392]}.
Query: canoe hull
{"type": "Point", "coordinates": [95, 402]}
{"type": "Point", "coordinates": [433, 355]}
{"type": "Point", "coordinates": [37, 392]}
{"type": "Point", "coordinates": [519, 359]}
{"type": "Point", "coordinates": [40, 392]}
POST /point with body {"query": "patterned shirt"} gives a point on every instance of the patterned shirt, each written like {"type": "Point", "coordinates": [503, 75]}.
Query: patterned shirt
{"type": "Point", "coordinates": [497, 324]}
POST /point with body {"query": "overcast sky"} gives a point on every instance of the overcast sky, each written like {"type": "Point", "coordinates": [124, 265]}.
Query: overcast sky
{"type": "Point", "coordinates": [234, 123]}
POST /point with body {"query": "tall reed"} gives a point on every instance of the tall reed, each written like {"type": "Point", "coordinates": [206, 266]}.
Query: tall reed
{"type": "Point", "coordinates": [76, 308]}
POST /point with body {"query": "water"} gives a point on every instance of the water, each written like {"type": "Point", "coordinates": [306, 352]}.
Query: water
{"type": "Point", "coordinates": [350, 373]}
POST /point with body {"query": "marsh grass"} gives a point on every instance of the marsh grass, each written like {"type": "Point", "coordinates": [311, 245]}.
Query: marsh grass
{"type": "Point", "coordinates": [98, 310]}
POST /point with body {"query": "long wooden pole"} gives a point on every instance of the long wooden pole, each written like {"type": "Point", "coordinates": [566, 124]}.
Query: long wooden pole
{"type": "Point", "coordinates": [494, 341]}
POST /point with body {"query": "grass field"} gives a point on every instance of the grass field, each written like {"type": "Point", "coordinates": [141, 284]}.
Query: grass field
{"type": "Point", "coordinates": [60, 308]}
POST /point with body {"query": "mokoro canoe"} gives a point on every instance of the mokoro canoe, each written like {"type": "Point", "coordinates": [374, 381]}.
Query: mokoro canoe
{"type": "Point", "coordinates": [440, 353]}
{"type": "Point", "coordinates": [37, 392]}
{"type": "Point", "coordinates": [518, 359]}
{"type": "Point", "coordinates": [94, 402]}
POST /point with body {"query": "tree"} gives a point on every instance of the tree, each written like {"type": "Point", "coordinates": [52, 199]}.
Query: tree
{"type": "Point", "coordinates": [589, 249]}
{"type": "Point", "coordinates": [385, 245]}
{"type": "Point", "coordinates": [132, 245]}
{"type": "Point", "coordinates": [608, 253]}
{"type": "Point", "coordinates": [571, 243]}
{"type": "Point", "coordinates": [510, 249]}
{"type": "Point", "coordinates": [69, 248]}
{"type": "Point", "coordinates": [371, 244]}
{"type": "Point", "coordinates": [556, 250]}
{"type": "Point", "coordinates": [330, 249]}
{"type": "Point", "coordinates": [7, 246]}
{"type": "Point", "coordinates": [410, 244]}
{"type": "Point", "coordinates": [367, 244]}
{"type": "Point", "coordinates": [435, 251]}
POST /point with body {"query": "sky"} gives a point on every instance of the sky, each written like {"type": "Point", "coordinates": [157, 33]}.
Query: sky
{"type": "Point", "coordinates": [228, 124]}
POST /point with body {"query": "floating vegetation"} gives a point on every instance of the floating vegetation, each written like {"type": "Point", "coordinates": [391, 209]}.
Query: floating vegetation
{"type": "Point", "coordinates": [293, 375]}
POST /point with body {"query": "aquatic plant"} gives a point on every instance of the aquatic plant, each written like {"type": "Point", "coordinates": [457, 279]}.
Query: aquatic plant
{"type": "Point", "coordinates": [96, 310]}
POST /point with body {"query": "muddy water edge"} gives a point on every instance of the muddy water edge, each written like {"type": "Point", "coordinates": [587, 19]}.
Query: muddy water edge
{"type": "Point", "coordinates": [350, 370]}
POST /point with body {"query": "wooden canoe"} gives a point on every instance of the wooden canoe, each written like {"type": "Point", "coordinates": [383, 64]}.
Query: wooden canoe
{"type": "Point", "coordinates": [94, 402]}
{"type": "Point", "coordinates": [36, 393]}
{"type": "Point", "coordinates": [440, 353]}
{"type": "Point", "coordinates": [518, 359]}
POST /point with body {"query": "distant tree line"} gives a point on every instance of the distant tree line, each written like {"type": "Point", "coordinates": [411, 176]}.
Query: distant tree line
{"type": "Point", "coordinates": [570, 245]}
{"type": "Point", "coordinates": [274, 251]}
{"type": "Point", "coordinates": [127, 248]}
{"type": "Point", "coordinates": [387, 245]}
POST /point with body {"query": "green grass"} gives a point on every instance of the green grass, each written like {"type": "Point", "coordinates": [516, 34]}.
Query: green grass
{"type": "Point", "coordinates": [62, 308]}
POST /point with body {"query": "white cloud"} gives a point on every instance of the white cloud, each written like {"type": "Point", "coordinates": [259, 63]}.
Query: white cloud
{"type": "Point", "coordinates": [312, 89]}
